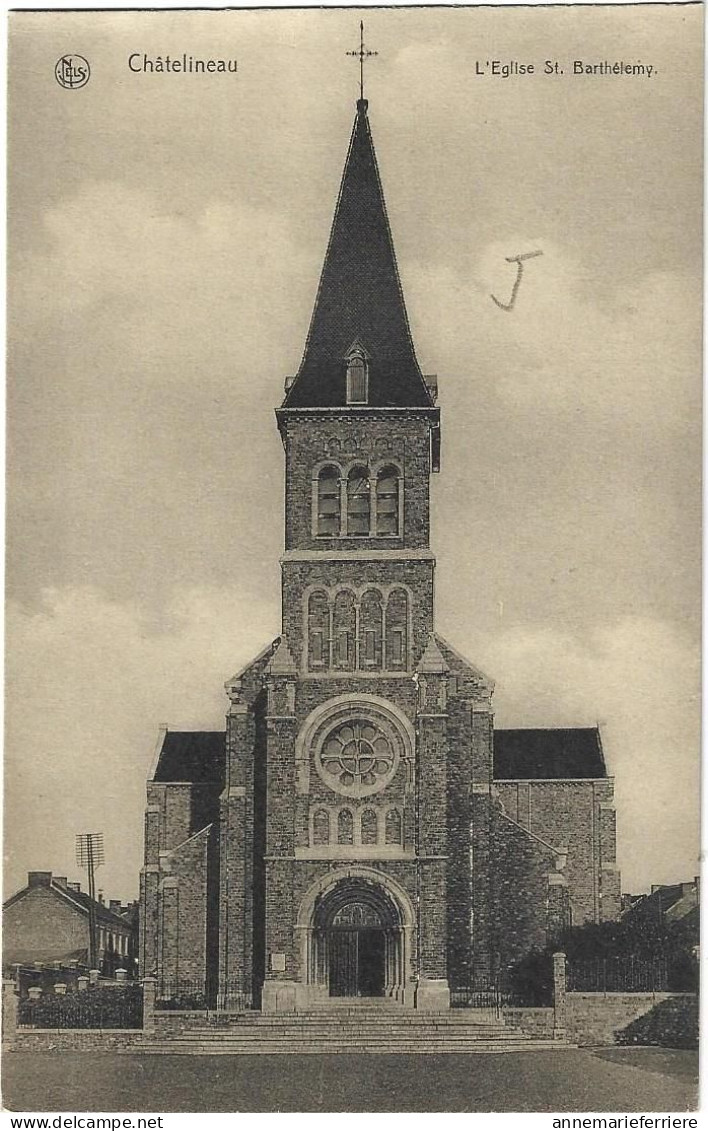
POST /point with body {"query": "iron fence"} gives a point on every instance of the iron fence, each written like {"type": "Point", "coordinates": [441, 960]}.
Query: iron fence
{"type": "Point", "coordinates": [626, 974]}
{"type": "Point", "coordinates": [198, 994]}
{"type": "Point", "coordinates": [489, 994]}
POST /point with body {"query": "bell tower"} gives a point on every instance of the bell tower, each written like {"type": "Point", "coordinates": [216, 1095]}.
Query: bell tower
{"type": "Point", "coordinates": [355, 864]}
{"type": "Point", "coordinates": [360, 429]}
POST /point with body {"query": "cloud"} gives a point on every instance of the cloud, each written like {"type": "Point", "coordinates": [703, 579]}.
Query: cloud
{"type": "Point", "coordinates": [641, 679]}
{"type": "Point", "coordinates": [623, 354]}
{"type": "Point", "coordinates": [88, 684]}
{"type": "Point", "coordinates": [168, 283]}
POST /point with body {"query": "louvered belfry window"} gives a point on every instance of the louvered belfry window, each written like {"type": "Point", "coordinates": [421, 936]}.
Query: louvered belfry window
{"type": "Point", "coordinates": [357, 380]}
{"type": "Point", "coordinates": [358, 501]}
{"type": "Point", "coordinates": [387, 501]}
{"type": "Point", "coordinates": [328, 502]}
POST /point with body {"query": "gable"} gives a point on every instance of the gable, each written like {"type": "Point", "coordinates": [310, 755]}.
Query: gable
{"type": "Point", "coordinates": [463, 669]}
{"type": "Point", "coordinates": [40, 925]}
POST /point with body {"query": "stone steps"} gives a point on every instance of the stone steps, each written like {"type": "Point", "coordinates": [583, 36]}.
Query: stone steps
{"type": "Point", "coordinates": [300, 1019]}
{"type": "Point", "coordinates": [351, 1032]}
{"type": "Point", "coordinates": [252, 1049]}
{"type": "Point", "coordinates": [359, 1036]}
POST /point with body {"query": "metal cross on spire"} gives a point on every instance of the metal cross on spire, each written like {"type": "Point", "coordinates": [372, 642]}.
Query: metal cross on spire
{"type": "Point", "coordinates": [362, 54]}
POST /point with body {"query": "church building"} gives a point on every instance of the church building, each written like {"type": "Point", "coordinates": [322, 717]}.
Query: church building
{"type": "Point", "coordinates": [360, 829]}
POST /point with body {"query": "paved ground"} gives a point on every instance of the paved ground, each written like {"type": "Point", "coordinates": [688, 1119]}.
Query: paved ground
{"type": "Point", "coordinates": [621, 1080]}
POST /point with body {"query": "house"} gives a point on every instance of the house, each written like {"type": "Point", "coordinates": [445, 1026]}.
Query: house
{"type": "Point", "coordinates": [48, 922]}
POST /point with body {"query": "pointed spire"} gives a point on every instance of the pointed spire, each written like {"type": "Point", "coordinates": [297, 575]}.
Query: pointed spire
{"type": "Point", "coordinates": [432, 662]}
{"type": "Point", "coordinates": [359, 297]}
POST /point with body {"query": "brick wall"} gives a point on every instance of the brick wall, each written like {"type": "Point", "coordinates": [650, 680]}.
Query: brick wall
{"type": "Point", "coordinates": [177, 811]}
{"type": "Point", "coordinates": [534, 1021]}
{"type": "Point", "coordinates": [459, 814]}
{"type": "Point", "coordinates": [42, 921]}
{"type": "Point", "coordinates": [520, 902]}
{"type": "Point", "coordinates": [577, 815]}
{"type": "Point", "coordinates": [599, 1019]}
{"type": "Point", "coordinates": [236, 875]}
{"type": "Point", "coordinates": [183, 911]}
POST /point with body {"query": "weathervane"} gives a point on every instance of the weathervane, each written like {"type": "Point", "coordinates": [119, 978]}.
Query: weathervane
{"type": "Point", "coordinates": [361, 54]}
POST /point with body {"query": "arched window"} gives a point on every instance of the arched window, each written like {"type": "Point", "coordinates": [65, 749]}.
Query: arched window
{"type": "Point", "coordinates": [358, 501]}
{"type": "Point", "coordinates": [328, 502]}
{"type": "Point", "coordinates": [369, 827]}
{"type": "Point", "coordinates": [397, 630]}
{"type": "Point", "coordinates": [345, 827]}
{"type": "Point", "coordinates": [387, 502]}
{"type": "Point", "coordinates": [320, 827]}
{"type": "Point", "coordinates": [357, 379]}
{"type": "Point", "coordinates": [370, 630]}
{"type": "Point", "coordinates": [344, 631]}
{"type": "Point", "coordinates": [393, 827]}
{"type": "Point", "coordinates": [318, 630]}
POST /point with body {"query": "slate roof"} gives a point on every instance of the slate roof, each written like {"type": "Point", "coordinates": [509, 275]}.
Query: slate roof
{"type": "Point", "coordinates": [359, 297]}
{"type": "Point", "coordinates": [80, 899]}
{"type": "Point", "coordinates": [552, 754]}
{"type": "Point", "coordinates": [103, 913]}
{"type": "Point", "coordinates": [197, 756]}
{"type": "Point", "coordinates": [200, 756]}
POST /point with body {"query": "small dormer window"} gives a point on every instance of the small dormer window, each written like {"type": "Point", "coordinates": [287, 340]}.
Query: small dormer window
{"type": "Point", "coordinates": [357, 378]}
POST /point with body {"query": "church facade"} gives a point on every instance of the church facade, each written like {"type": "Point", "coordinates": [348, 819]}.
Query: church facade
{"type": "Point", "coordinates": [359, 829]}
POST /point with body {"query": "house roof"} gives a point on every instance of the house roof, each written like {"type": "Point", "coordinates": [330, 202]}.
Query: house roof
{"type": "Point", "coordinates": [103, 913]}
{"type": "Point", "coordinates": [80, 899]}
{"type": "Point", "coordinates": [197, 756]}
{"type": "Point", "coordinates": [359, 299]}
{"type": "Point", "coordinates": [552, 754]}
{"type": "Point", "coordinates": [675, 901]}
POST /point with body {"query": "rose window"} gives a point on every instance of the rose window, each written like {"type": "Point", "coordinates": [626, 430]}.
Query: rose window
{"type": "Point", "coordinates": [357, 757]}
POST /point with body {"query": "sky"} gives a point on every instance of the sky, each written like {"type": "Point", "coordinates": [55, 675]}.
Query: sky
{"type": "Point", "coordinates": [166, 233]}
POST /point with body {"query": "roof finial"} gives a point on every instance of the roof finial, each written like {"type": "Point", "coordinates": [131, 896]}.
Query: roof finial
{"type": "Point", "coordinates": [361, 54]}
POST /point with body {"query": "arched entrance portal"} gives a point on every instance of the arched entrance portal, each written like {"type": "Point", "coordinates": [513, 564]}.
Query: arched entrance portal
{"type": "Point", "coordinates": [357, 942]}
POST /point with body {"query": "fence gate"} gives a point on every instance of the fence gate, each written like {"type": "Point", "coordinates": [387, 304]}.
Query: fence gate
{"type": "Point", "coordinates": [483, 996]}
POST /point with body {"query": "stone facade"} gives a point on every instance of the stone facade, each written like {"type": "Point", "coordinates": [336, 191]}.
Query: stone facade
{"type": "Point", "coordinates": [347, 836]}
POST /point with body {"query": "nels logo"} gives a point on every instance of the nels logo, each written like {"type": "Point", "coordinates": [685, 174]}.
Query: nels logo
{"type": "Point", "coordinates": [72, 71]}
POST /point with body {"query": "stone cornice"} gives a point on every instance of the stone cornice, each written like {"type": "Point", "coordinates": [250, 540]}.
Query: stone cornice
{"type": "Point", "coordinates": [362, 555]}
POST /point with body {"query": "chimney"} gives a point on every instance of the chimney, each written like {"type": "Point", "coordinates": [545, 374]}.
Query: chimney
{"type": "Point", "coordinates": [73, 885]}
{"type": "Point", "coordinates": [39, 879]}
{"type": "Point", "coordinates": [101, 900]}
{"type": "Point", "coordinates": [61, 880]}
{"type": "Point", "coordinates": [114, 906]}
